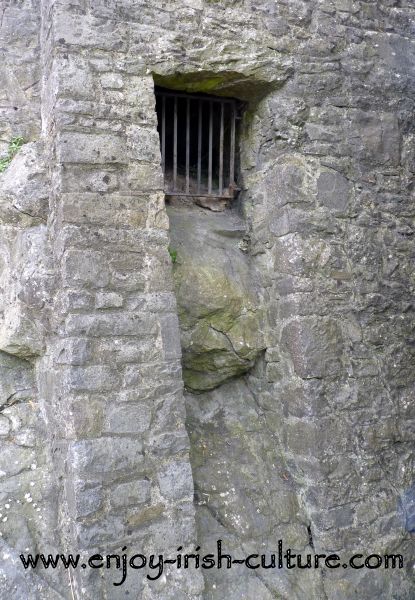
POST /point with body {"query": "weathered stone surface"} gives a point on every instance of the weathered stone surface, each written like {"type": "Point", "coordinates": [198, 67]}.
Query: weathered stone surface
{"type": "Point", "coordinates": [13, 586]}
{"type": "Point", "coordinates": [334, 191]}
{"type": "Point", "coordinates": [28, 495]}
{"type": "Point", "coordinates": [24, 300]}
{"type": "Point", "coordinates": [313, 443]}
{"type": "Point", "coordinates": [20, 73]}
{"type": "Point", "coordinates": [87, 148]}
{"type": "Point", "coordinates": [217, 295]}
{"type": "Point", "coordinates": [106, 455]}
{"type": "Point", "coordinates": [175, 480]}
{"type": "Point", "coordinates": [314, 347]}
{"type": "Point", "coordinates": [243, 490]}
{"type": "Point", "coordinates": [24, 190]}
{"type": "Point", "coordinates": [131, 493]}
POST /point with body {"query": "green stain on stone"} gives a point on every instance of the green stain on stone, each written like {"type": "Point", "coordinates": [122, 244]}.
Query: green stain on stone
{"type": "Point", "coordinates": [231, 84]}
{"type": "Point", "coordinates": [219, 323]}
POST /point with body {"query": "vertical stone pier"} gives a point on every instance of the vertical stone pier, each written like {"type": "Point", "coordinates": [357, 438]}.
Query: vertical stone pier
{"type": "Point", "coordinates": [111, 377]}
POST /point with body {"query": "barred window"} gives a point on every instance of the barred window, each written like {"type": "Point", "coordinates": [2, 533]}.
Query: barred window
{"type": "Point", "coordinates": [198, 135]}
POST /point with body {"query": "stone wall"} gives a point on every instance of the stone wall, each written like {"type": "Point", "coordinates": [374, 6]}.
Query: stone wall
{"type": "Point", "coordinates": [314, 445]}
{"type": "Point", "coordinates": [332, 224]}
{"type": "Point", "coordinates": [110, 376]}
{"type": "Point", "coordinates": [28, 489]}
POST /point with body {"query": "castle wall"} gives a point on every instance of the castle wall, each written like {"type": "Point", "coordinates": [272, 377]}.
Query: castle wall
{"type": "Point", "coordinates": [323, 424]}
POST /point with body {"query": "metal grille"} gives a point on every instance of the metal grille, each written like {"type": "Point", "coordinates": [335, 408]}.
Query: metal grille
{"type": "Point", "coordinates": [197, 139]}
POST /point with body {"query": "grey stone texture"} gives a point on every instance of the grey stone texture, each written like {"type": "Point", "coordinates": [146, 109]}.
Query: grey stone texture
{"type": "Point", "coordinates": [218, 296]}
{"type": "Point", "coordinates": [312, 444]}
{"type": "Point", "coordinates": [20, 73]}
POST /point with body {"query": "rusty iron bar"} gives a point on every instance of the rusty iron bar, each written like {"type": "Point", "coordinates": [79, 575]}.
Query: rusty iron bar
{"type": "Point", "coordinates": [163, 136]}
{"type": "Point", "coordinates": [232, 149]}
{"type": "Point", "coordinates": [199, 148]}
{"type": "Point", "coordinates": [222, 106]}
{"type": "Point", "coordinates": [184, 95]}
{"type": "Point", "coordinates": [201, 195]}
{"type": "Point", "coordinates": [175, 146]}
{"type": "Point", "coordinates": [217, 154]}
{"type": "Point", "coordinates": [187, 145]}
{"type": "Point", "coordinates": [210, 147]}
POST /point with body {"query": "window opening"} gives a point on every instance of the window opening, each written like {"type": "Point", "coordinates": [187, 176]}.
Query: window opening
{"type": "Point", "coordinates": [198, 144]}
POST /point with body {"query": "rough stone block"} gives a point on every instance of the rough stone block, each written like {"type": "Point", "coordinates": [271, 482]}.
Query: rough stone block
{"type": "Point", "coordinates": [89, 268]}
{"type": "Point", "coordinates": [314, 346]}
{"type": "Point", "coordinates": [143, 176]}
{"type": "Point", "coordinates": [125, 418]}
{"type": "Point", "coordinates": [334, 191]}
{"type": "Point", "coordinates": [170, 336]}
{"type": "Point", "coordinates": [73, 300]}
{"type": "Point", "coordinates": [130, 494]}
{"type": "Point", "coordinates": [72, 351]}
{"type": "Point", "coordinates": [88, 499]}
{"type": "Point", "coordinates": [75, 79]}
{"type": "Point", "coordinates": [91, 148]}
{"type": "Point", "coordinates": [87, 178]}
{"type": "Point", "coordinates": [99, 534]}
{"type": "Point", "coordinates": [111, 80]}
{"type": "Point", "coordinates": [72, 29]}
{"type": "Point", "coordinates": [176, 481]}
{"type": "Point", "coordinates": [105, 455]}
{"type": "Point", "coordinates": [108, 300]}
{"type": "Point", "coordinates": [93, 378]}
{"type": "Point", "coordinates": [129, 211]}
{"type": "Point", "coordinates": [143, 144]}
{"type": "Point", "coordinates": [118, 324]}
{"type": "Point", "coordinates": [169, 443]}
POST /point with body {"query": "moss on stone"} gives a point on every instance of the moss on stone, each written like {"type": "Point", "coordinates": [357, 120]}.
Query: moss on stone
{"type": "Point", "coordinates": [225, 83]}
{"type": "Point", "coordinates": [219, 316]}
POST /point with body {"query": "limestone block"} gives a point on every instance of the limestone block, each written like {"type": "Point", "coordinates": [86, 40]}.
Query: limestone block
{"type": "Point", "coordinates": [23, 298]}
{"type": "Point", "coordinates": [108, 300]}
{"type": "Point", "coordinates": [87, 499]}
{"type": "Point", "coordinates": [111, 80]}
{"type": "Point", "coordinates": [314, 346]}
{"type": "Point", "coordinates": [88, 268]}
{"type": "Point", "coordinates": [90, 378]}
{"type": "Point", "coordinates": [130, 494]}
{"type": "Point", "coordinates": [75, 30]}
{"type": "Point", "coordinates": [91, 148]}
{"type": "Point", "coordinates": [75, 79]}
{"type": "Point", "coordinates": [127, 211]}
{"type": "Point", "coordinates": [89, 178]}
{"type": "Point", "coordinates": [143, 176]}
{"type": "Point", "coordinates": [99, 533]}
{"type": "Point", "coordinates": [300, 256]}
{"type": "Point", "coordinates": [333, 191]}
{"type": "Point", "coordinates": [217, 295]}
{"type": "Point", "coordinates": [143, 144]}
{"type": "Point", "coordinates": [104, 324]}
{"type": "Point", "coordinates": [24, 190]}
{"type": "Point", "coordinates": [175, 480]}
{"type": "Point", "coordinates": [377, 137]}
{"type": "Point", "coordinates": [105, 455]}
{"type": "Point", "coordinates": [133, 419]}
